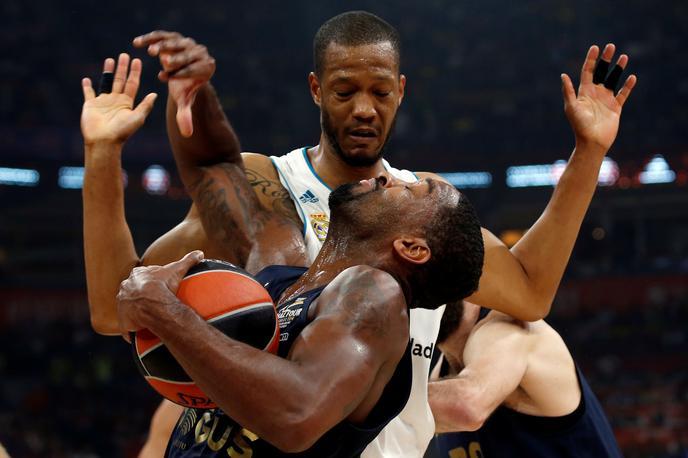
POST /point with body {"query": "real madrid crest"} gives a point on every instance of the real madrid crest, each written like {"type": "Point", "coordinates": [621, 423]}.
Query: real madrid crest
{"type": "Point", "coordinates": [320, 224]}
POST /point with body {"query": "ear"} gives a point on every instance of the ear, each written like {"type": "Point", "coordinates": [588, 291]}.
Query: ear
{"type": "Point", "coordinates": [412, 249]}
{"type": "Point", "coordinates": [314, 86]}
{"type": "Point", "coordinates": [402, 86]}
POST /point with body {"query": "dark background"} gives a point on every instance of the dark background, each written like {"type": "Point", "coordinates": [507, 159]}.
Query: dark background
{"type": "Point", "coordinates": [483, 94]}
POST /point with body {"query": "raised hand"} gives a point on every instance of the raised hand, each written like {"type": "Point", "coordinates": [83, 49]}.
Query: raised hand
{"type": "Point", "coordinates": [595, 111]}
{"type": "Point", "coordinates": [111, 117]}
{"type": "Point", "coordinates": [186, 66]}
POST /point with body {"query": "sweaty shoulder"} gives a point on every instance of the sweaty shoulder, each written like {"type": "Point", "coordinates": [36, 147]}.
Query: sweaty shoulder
{"type": "Point", "coordinates": [369, 299]}
{"type": "Point", "coordinates": [265, 182]}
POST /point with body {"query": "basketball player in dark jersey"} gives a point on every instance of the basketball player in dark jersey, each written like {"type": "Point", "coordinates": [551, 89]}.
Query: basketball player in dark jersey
{"type": "Point", "coordinates": [516, 389]}
{"type": "Point", "coordinates": [344, 370]}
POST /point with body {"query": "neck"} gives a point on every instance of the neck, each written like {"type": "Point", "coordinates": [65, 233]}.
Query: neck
{"type": "Point", "coordinates": [334, 171]}
{"type": "Point", "coordinates": [336, 255]}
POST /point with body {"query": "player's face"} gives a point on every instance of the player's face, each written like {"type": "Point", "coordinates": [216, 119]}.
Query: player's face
{"type": "Point", "coordinates": [385, 202]}
{"type": "Point", "coordinates": [359, 92]}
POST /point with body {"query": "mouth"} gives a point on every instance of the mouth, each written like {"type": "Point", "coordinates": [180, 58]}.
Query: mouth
{"type": "Point", "coordinates": [363, 134]}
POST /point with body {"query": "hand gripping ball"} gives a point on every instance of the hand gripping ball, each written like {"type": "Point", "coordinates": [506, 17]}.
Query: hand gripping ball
{"type": "Point", "coordinates": [230, 300]}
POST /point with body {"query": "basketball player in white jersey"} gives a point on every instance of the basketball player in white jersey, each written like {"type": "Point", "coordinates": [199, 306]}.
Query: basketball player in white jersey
{"type": "Point", "coordinates": [358, 87]}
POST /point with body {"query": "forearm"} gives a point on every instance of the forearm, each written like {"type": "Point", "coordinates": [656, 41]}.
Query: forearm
{"type": "Point", "coordinates": [109, 251]}
{"type": "Point", "coordinates": [544, 251]}
{"type": "Point", "coordinates": [213, 140]}
{"type": "Point", "coordinates": [264, 393]}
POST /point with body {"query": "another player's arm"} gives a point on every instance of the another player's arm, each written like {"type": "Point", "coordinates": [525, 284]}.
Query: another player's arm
{"type": "Point", "coordinates": [495, 361]}
{"type": "Point", "coordinates": [109, 253]}
{"type": "Point", "coordinates": [360, 332]}
{"type": "Point", "coordinates": [522, 281]}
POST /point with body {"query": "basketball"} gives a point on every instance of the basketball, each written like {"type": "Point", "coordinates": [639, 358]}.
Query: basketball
{"type": "Point", "coordinates": [230, 300]}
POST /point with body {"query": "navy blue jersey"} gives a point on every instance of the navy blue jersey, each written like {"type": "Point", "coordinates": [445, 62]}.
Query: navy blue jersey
{"type": "Point", "coordinates": [210, 433]}
{"type": "Point", "coordinates": [585, 432]}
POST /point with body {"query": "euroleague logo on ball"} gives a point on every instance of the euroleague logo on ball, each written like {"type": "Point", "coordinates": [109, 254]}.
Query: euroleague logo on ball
{"type": "Point", "coordinates": [230, 300]}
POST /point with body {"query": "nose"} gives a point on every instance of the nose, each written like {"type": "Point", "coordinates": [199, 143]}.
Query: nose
{"type": "Point", "coordinates": [364, 109]}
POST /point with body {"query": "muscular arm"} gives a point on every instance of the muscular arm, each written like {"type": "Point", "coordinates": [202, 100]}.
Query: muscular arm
{"type": "Point", "coordinates": [361, 321]}
{"type": "Point", "coordinates": [495, 362]}
{"type": "Point", "coordinates": [522, 281]}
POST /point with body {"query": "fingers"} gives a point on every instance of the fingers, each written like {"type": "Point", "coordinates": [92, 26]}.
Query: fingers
{"type": "Point", "coordinates": [613, 78]}
{"type": "Point", "coordinates": [146, 105]}
{"type": "Point", "coordinates": [173, 61]}
{"type": "Point", "coordinates": [599, 75]}
{"type": "Point", "coordinates": [596, 71]}
{"type": "Point", "coordinates": [87, 87]}
{"type": "Point", "coordinates": [132, 84]}
{"type": "Point", "coordinates": [589, 65]}
{"type": "Point", "coordinates": [185, 263]}
{"type": "Point", "coordinates": [109, 65]}
{"type": "Point", "coordinates": [153, 37]}
{"type": "Point", "coordinates": [567, 90]}
{"type": "Point", "coordinates": [200, 69]}
{"type": "Point", "coordinates": [185, 120]}
{"type": "Point", "coordinates": [120, 73]}
{"type": "Point", "coordinates": [172, 45]}
{"type": "Point", "coordinates": [625, 91]}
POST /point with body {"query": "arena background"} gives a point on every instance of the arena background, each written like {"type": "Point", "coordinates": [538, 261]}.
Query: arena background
{"type": "Point", "coordinates": [483, 95]}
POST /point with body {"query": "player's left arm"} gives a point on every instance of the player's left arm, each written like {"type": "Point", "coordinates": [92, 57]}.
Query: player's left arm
{"type": "Point", "coordinates": [522, 281]}
{"type": "Point", "coordinates": [290, 403]}
{"type": "Point", "coordinates": [495, 362]}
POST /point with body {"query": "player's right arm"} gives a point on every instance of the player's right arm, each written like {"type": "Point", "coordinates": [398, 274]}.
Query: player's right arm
{"type": "Point", "coordinates": [195, 118]}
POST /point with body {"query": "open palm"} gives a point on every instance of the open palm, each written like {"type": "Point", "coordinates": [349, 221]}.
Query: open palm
{"type": "Point", "coordinates": [111, 117]}
{"type": "Point", "coordinates": [595, 112]}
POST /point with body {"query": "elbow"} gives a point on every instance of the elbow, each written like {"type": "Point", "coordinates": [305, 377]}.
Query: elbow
{"type": "Point", "coordinates": [295, 428]}
{"type": "Point", "coordinates": [541, 309]}
{"type": "Point", "coordinates": [466, 416]}
{"type": "Point", "coordinates": [103, 327]}
{"type": "Point", "coordinates": [103, 324]}
{"type": "Point", "coordinates": [295, 435]}
{"type": "Point", "coordinates": [538, 309]}
{"type": "Point", "coordinates": [474, 417]}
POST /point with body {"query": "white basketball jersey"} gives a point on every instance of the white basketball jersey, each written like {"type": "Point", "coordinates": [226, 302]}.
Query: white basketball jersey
{"type": "Point", "coordinates": [408, 434]}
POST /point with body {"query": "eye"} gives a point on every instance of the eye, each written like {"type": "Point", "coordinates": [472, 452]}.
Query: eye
{"type": "Point", "coordinates": [382, 93]}
{"type": "Point", "coordinates": [344, 94]}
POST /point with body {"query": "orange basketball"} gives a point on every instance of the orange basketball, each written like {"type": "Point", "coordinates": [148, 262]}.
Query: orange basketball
{"type": "Point", "coordinates": [229, 299]}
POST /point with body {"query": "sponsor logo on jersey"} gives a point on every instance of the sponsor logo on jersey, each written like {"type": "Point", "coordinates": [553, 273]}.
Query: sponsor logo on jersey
{"type": "Point", "coordinates": [420, 350]}
{"type": "Point", "coordinates": [308, 197]}
{"type": "Point", "coordinates": [289, 312]}
{"type": "Point", "coordinates": [320, 223]}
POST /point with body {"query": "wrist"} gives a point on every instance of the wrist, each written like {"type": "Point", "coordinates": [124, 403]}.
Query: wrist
{"type": "Point", "coordinates": [591, 147]}
{"type": "Point", "coordinates": [162, 316]}
{"type": "Point", "coordinates": [103, 146]}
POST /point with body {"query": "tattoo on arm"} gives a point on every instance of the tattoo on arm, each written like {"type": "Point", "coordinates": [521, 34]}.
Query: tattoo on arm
{"type": "Point", "coordinates": [273, 190]}
{"type": "Point", "coordinates": [227, 217]}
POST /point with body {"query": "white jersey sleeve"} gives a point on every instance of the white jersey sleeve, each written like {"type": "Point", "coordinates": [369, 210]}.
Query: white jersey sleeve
{"type": "Point", "coordinates": [408, 434]}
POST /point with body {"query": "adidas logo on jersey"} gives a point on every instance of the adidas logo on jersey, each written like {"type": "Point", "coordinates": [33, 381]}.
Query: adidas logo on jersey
{"type": "Point", "coordinates": [308, 197]}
